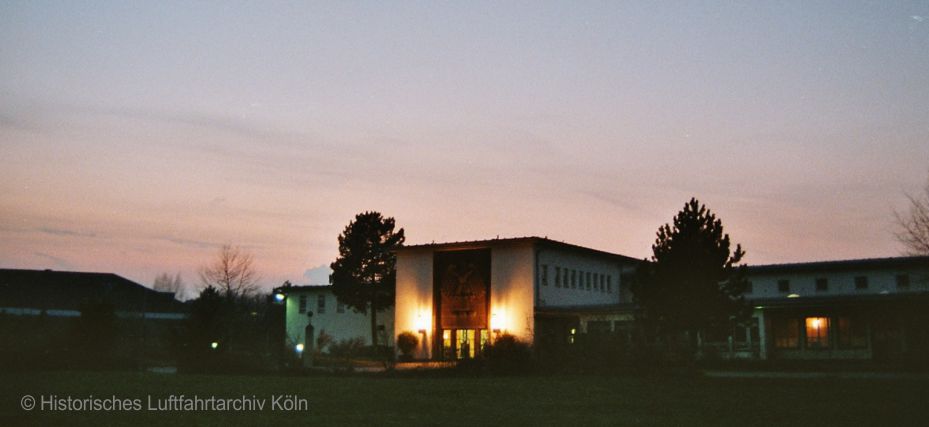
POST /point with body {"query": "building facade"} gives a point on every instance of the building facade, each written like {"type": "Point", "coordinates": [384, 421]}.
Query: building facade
{"type": "Point", "coordinates": [318, 305]}
{"type": "Point", "coordinates": [867, 309]}
{"type": "Point", "coordinates": [459, 297]}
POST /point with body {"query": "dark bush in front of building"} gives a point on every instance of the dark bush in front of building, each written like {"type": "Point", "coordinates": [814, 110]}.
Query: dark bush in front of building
{"type": "Point", "coordinates": [509, 355]}
{"type": "Point", "coordinates": [407, 342]}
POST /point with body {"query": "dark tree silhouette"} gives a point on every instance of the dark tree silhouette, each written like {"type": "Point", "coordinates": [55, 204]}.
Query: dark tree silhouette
{"type": "Point", "coordinates": [691, 283]}
{"type": "Point", "coordinates": [364, 275]}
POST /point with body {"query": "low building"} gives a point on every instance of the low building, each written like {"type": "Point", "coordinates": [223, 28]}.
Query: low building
{"type": "Point", "coordinates": [866, 309]}
{"type": "Point", "coordinates": [62, 294]}
{"type": "Point", "coordinates": [318, 305]}
{"type": "Point", "coordinates": [47, 318]}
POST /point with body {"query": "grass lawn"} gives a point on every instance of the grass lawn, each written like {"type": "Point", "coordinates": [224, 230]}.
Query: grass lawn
{"type": "Point", "coordinates": [536, 400]}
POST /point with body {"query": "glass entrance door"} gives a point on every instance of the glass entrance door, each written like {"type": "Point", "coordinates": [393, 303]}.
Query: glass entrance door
{"type": "Point", "coordinates": [464, 343]}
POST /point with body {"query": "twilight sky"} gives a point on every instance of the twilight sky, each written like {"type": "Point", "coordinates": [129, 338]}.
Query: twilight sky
{"type": "Point", "coordinates": [137, 137]}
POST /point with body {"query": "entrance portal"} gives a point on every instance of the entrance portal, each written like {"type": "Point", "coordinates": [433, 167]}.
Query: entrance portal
{"type": "Point", "coordinates": [464, 343]}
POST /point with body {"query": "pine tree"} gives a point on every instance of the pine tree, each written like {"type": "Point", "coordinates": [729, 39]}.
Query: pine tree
{"type": "Point", "coordinates": [692, 284]}
{"type": "Point", "coordinates": [364, 275]}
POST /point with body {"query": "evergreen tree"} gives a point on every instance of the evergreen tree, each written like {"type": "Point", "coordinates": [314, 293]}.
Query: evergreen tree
{"type": "Point", "coordinates": [692, 284]}
{"type": "Point", "coordinates": [364, 275]}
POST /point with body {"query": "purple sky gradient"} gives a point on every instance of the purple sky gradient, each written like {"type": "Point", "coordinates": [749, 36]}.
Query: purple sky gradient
{"type": "Point", "coordinates": [138, 137]}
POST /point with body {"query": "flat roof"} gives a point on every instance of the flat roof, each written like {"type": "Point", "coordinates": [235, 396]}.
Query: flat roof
{"type": "Point", "coordinates": [544, 241]}
{"type": "Point", "coordinates": [840, 265]}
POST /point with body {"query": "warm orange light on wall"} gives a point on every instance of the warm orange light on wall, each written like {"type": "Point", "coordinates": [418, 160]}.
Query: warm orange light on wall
{"type": "Point", "coordinates": [815, 322]}
{"type": "Point", "coordinates": [423, 321]}
{"type": "Point", "coordinates": [498, 320]}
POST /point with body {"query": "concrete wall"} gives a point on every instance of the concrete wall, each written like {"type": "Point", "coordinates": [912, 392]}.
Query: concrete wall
{"type": "Point", "coordinates": [839, 283]}
{"type": "Point", "coordinates": [512, 289]}
{"type": "Point", "coordinates": [346, 325]}
{"type": "Point", "coordinates": [413, 309]}
{"type": "Point", "coordinates": [553, 295]}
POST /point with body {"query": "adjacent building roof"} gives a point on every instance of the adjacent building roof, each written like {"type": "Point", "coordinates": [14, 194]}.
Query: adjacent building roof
{"type": "Point", "coordinates": [843, 265]}
{"type": "Point", "coordinates": [540, 241]}
{"type": "Point", "coordinates": [69, 290]}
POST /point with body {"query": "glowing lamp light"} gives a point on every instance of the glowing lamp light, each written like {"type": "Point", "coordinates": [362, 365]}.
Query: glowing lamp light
{"type": "Point", "coordinates": [498, 321]}
{"type": "Point", "coordinates": [299, 348]}
{"type": "Point", "coordinates": [279, 297]}
{"type": "Point", "coordinates": [422, 323]}
{"type": "Point", "coordinates": [815, 322]}
{"type": "Point", "coordinates": [793, 296]}
{"type": "Point", "coordinates": [214, 345]}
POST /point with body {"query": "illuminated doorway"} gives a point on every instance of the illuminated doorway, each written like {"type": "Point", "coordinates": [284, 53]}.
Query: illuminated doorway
{"type": "Point", "coordinates": [464, 343]}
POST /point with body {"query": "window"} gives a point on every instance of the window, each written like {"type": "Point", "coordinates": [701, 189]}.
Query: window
{"type": "Point", "coordinates": [817, 332]}
{"type": "Point", "coordinates": [602, 283]}
{"type": "Point", "coordinates": [339, 307]}
{"type": "Point", "coordinates": [544, 275]}
{"type": "Point", "coordinates": [321, 304]}
{"type": "Point", "coordinates": [588, 280]}
{"type": "Point", "coordinates": [302, 304]}
{"type": "Point", "coordinates": [852, 333]}
{"type": "Point", "coordinates": [573, 279]}
{"type": "Point", "coordinates": [786, 333]}
{"type": "Point", "coordinates": [861, 283]}
{"type": "Point", "coordinates": [748, 287]}
{"type": "Point", "coordinates": [903, 281]}
{"type": "Point", "coordinates": [783, 286]}
{"type": "Point", "coordinates": [609, 284]}
{"type": "Point", "coordinates": [822, 284]}
{"type": "Point", "coordinates": [557, 277]}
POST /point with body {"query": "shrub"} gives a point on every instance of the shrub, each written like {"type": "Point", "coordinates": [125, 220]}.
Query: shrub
{"type": "Point", "coordinates": [323, 340]}
{"type": "Point", "coordinates": [407, 342]}
{"type": "Point", "coordinates": [509, 355]}
{"type": "Point", "coordinates": [347, 348]}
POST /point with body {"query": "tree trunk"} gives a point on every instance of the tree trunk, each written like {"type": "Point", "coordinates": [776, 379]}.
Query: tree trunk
{"type": "Point", "coordinates": [373, 326]}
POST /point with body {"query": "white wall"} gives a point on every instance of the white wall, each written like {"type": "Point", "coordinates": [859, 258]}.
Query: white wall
{"type": "Point", "coordinates": [554, 296]}
{"type": "Point", "coordinates": [839, 283]}
{"type": "Point", "coordinates": [413, 308]}
{"type": "Point", "coordinates": [340, 326]}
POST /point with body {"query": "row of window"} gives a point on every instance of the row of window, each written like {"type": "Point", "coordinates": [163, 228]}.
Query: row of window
{"type": "Point", "coordinates": [575, 279]}
{"type": "Point", "coordinates": [822, 284]}
{"type": "Point", "coordinates": [320, 305]}
{"type": "Point", "coordinates": [819, 333]}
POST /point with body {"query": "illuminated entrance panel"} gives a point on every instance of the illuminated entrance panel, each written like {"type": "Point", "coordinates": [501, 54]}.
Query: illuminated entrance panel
{"type": "Point", "coordinates": [462, 299]}
{"type": "Point", "coordinates": [464, 343]}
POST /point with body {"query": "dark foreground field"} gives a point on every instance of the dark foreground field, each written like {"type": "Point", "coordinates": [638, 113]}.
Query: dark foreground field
{"type": "Point", "coordinates": [537, 400]}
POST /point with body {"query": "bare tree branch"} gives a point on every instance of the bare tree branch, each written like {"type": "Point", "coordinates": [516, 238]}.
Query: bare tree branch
{"type": "Point", "coordinates": [913, 226]}
{"type": "Point", "coordinates": [165, 283]}
{"type": "Point", "coordinates": [232, 273]}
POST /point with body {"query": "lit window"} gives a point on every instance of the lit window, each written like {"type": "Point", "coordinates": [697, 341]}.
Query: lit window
{"type": "Point", "coordinates": [783, 286]}
{"type": "Point", "coordinates": [302, 304]}
{"type": "Point", "coordinates": [786, 333]}
{"type": "Point", "coordinates": [544, 275]}
{"type": "Point", "coordinates": [861, 282]}
{"type": "Point", "coordinates": [903, 281]}
{"type": "Point", "coordinates": [817, 332]}
{"type": "Point", "coordinates": [822, 284]}
{"type": "Point", "coordinates": [321, 304]}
